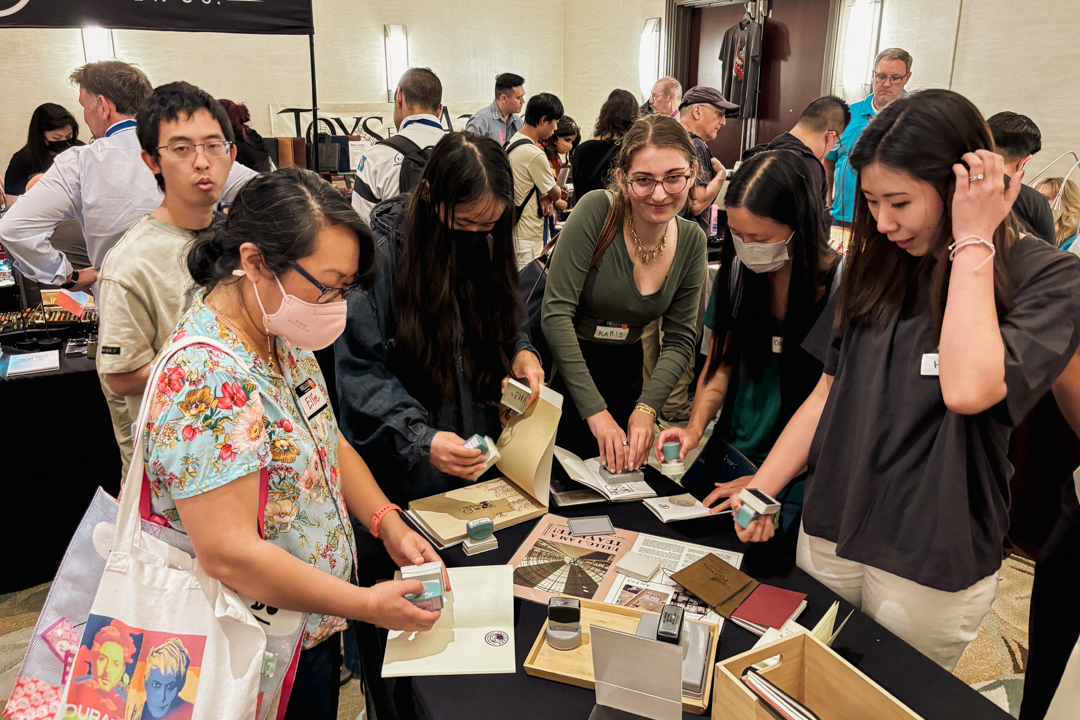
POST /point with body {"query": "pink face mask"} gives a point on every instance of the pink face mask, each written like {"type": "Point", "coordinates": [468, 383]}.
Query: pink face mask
{"type": "Point", "coordinates": [308, 326]}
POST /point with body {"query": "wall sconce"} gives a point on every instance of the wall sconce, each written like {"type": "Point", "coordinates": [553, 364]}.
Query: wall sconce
{"type": "Point", "coordinates": [97, 43]}
{"type": "Point", "coordinates": [649, 57]}
{"type": "Point", "coordinates": [397, 56]}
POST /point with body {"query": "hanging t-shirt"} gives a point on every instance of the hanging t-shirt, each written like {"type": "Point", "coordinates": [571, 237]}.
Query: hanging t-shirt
{"type": "Point", "coordinates": [741, 56]}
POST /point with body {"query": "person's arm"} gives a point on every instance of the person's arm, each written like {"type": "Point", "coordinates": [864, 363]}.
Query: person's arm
{"type": "Point", "coordinates": [375, 404]}
{"type": "Point", "coordinates": [220, 524]}
{"type": "Point", "coordinates": [706, 194]}
{"type": "Point", "coordinates": [540, 173]}
{"type": "Point", "coordinates": [971, 353]}
{"type": "Point", "coordinates": [129, 383]}
{"type": "Point", "coordinates": [1067, 393]}
{"type": "Point", "coordinates": [830, 174]}
{"type": "Point", "coordinates": [366, 193]}
{"type": "Point", "coordinates": [26, 228]}
{"type": "Point", "coordinates": [125, 334]}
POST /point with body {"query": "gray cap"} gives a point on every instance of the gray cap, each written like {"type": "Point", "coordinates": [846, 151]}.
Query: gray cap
{"type": "Point", "coordinates": [702, 94]}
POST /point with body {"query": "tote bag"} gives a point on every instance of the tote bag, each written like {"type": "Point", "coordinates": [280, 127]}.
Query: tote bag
{"type": "Point", "coordinates": [134, 628]}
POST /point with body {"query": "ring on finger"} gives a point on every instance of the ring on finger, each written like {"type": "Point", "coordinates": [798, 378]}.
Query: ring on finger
{"type": "Point", "coordinates": [975, 178]}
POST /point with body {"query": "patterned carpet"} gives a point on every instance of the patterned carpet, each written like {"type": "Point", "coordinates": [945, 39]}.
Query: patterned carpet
{"type": "Point", "coordinates": [995, 663]}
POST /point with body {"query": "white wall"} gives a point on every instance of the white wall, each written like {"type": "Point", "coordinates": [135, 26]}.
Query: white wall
{"type": "Point", "coordinates": [1010, 55]}
{"type": "Point", "coordinates": [577, 49]}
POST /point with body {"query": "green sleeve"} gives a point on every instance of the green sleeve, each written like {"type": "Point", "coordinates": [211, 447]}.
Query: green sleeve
{"type": "Point", "coordinates": [681, 321]}
{"type": "Point", "coordinates": [566, 278]}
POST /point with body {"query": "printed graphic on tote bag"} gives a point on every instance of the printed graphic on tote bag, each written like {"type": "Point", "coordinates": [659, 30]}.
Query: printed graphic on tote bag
{"type": "Point", "coordinates": [123, 672]}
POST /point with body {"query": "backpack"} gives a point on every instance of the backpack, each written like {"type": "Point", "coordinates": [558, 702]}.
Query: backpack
{"type": "Point", "coordinates": [412, 166]}
{"type": "Point", "coordinates": [521, 208]}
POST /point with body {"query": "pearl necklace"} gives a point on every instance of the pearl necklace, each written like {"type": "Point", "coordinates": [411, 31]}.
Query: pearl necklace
{"type": "Point", "coordinates": [646, 255]}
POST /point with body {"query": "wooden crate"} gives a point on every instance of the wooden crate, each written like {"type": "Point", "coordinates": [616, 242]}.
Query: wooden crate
{"type": "Point", "coordinates": [575, 667]}
{"type": "Point", "coordinates": [811, 673]}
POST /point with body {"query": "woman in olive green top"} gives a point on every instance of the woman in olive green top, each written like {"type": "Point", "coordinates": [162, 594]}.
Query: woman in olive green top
{"type": "Point", "coordinates": [604, 287]}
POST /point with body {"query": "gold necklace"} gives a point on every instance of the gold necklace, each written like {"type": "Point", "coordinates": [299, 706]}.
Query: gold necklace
{"type": "Point", "coordinates": [647, 256]}
{"type": "Point", "coordinates": [243, 335]}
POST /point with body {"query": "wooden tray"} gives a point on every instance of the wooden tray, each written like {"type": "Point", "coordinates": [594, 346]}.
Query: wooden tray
{"type": "Point", "coordinates": [575, 667]}
{"type": "Point", "coordinates": [810, 672]}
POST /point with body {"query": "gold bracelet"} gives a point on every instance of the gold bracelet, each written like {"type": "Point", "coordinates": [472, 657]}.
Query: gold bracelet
{"type": "Point", "coordinates": [642, 407]}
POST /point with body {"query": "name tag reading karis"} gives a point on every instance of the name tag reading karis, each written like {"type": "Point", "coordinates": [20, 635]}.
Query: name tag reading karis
{"type": "Point", "coordinates": [612, 331]}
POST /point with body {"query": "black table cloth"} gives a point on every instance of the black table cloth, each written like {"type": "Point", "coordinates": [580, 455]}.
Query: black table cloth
{"type": "Point", "coordinates": [900, 669]}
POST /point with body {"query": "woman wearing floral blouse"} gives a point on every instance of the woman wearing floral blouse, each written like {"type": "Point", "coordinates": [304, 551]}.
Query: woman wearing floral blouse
{"type": "Point", "coordinates": [273, 283]}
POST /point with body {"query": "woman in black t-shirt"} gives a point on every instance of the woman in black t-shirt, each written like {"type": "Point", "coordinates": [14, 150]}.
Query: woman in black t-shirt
{"type": "Point", "coordinates": [594, 160]}
{"type": "Point", "coordinates": [950, 327]}
{"type": "Point", "coordinates": [52, 130]}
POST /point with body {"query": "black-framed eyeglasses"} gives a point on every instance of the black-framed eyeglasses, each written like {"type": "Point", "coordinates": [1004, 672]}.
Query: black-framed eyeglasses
{"type": "Point", "coordinates": [329, 294]}
{"type": "Point", "coordinates": [673, 184]}
{"type": "Point", "coordinates": [891, 79]}
{"type": "Point", "coordinates": [183, 149]}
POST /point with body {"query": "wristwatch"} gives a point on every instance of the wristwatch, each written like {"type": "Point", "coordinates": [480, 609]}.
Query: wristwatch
{"type": "Point", "coordinates": [72, 282]}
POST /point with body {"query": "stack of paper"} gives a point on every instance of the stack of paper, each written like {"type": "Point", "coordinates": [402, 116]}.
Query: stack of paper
{"type": "Point", "coordinates": [825, 631]}
{"type": "Point", "coordinates": [587, 472]}
{"type": "Point", "coordinates": [33, 362]}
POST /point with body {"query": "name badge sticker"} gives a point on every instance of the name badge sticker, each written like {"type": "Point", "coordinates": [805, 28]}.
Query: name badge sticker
{"type": "Point", "coordinates": [312, 398]}
{"type": "Point", "coordinates": [612, 331]}
{"type": "Point", "coordinates": [930, 364]}
{"type": "Point", "coordinates": [777, 344]}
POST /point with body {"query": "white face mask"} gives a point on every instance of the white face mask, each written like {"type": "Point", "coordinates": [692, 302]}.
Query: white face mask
{"type": "Point", "coordinates": [762, 257]}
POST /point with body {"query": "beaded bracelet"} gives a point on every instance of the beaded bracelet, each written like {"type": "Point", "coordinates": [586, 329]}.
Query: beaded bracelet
{"type": "Point", "coordinates": [968, 242]}
{"type": "Point", "coordinates": [642, 407]}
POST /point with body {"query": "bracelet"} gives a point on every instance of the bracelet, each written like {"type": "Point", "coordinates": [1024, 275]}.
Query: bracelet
{"type": "Point", "coordinates": [377, 518]}
{"type": "Point", "coordinates": [968, 242]}
{"type": "Point", "coordinates": [642, 407]}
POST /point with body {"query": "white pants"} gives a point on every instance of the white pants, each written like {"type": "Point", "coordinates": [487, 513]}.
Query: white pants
{"type": "Point", "coordinates": [937, 623]}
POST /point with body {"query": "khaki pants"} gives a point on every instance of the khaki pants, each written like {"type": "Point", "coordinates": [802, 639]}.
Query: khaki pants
{"type": "Point", "coordinates": [121, 422]}
{"type": "Point", "coordinates": [678, 404]}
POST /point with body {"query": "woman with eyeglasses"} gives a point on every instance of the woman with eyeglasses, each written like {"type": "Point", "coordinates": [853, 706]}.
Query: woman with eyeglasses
{"type": "Point", "coordinates": [221, 430]}
{"type": "Point", "coordinates": [624, 259]}
{"type": "Point", "coordinates": [428, 350]}
{"type": "Point", "coordinates": [776, 273]}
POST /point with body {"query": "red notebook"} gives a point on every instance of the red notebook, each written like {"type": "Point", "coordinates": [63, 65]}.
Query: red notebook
{"type": "Point", "coordinates": [770, 606]}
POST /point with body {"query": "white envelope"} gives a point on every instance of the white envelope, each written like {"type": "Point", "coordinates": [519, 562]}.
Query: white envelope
{"type": "Point", "coordinates": [474, 635]}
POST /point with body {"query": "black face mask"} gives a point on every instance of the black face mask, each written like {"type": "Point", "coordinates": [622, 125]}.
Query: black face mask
{"type": "Point", "coordinates": [59, 146]}
{"type": "Point", "coordinates": [471, 244]}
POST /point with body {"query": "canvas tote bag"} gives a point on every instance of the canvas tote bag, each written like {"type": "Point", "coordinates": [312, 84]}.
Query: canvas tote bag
{"type": "Point", "coordinates": [134, 628]}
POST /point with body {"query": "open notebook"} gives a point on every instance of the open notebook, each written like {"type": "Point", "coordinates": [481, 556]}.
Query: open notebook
{"type": "Point", "coordinates": [527, 444]}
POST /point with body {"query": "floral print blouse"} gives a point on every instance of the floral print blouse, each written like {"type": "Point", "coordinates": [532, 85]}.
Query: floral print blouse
{"type": "Point", "coordinates": [212, 421]}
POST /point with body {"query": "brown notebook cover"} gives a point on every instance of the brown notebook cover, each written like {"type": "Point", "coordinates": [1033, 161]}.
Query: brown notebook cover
{"type": "Point", "coordinates": [714, 581]}
{"type": "Point", "coordinates": [284, 149]}
{"type": "Point", "coordinates": [299, 151]}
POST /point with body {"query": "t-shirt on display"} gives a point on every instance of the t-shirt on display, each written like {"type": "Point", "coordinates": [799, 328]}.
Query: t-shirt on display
{"type": "Point", "coordinates": [741, 56]}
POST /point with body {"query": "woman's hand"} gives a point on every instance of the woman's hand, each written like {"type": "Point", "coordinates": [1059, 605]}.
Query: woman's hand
{"type": "Point", "coordinates": [527, 365]}
{"type": "Point", "coordinates": [687, 438]}
{"type": "Point", "coordinates": [979, 206]}
{"type": "Point", "coordinates": [449, 455]}
{"type": "Point", "coordinates": [610, 438]}
{"type": "Point", "coordinates": [405, 545]}
{"type": "Point", "coordinates": [642, 428]}
{"type": "Point", "coordinates": [761, 529]}
{"type": "Point", "coordinates": [388, 608]}
{"type": "Point", "coordinates": [728, 491]}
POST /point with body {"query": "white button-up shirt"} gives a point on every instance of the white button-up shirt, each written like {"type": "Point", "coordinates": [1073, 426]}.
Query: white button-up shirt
{"type": "Point", "coordinates": [379, 172]}
{"type": "Point", "coordinates": [105, 186]}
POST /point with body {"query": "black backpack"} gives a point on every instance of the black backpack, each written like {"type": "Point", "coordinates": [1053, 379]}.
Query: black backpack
{"type": "Point", "coordinates": [521, 208]}
{"type": "Point", "coordinates": [412, 166]}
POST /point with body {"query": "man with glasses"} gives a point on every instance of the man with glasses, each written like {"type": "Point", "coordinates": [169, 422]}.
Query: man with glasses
{"type": "Point", "coordinates": [145, 287]}
{"type": "Point", "coordinates": [666, 96]}
{"type": "Point", "coordinates": [703, 111]}
{"type": "Point", "coordinates": [892, 71]}
{"type": "Point", "coordinates": [105, 186]}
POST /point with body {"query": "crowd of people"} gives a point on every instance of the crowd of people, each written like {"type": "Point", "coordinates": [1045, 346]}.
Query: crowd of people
{"type": "Point", "coordinates": [876, 387]}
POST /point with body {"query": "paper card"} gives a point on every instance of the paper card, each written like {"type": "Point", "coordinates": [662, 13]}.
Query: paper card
{"type": "Point", "coordinates": [712, 580]}
{"type": "Point", "coordinates": [474, 634]}
{"type": "Point", "coordinates": [73, 302]}
{"type": "Point", "coordinates": [636, 674]}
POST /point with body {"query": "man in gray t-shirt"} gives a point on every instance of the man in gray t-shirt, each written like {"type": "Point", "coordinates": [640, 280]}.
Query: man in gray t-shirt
{"type": "Point", "coordinates": [703, 112]}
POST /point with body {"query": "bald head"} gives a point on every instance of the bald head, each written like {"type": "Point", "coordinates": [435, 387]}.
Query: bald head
{"type": "Point", "coordinates": [666, 95]}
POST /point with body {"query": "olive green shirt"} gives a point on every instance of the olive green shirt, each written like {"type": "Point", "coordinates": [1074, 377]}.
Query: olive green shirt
{"type": "Point", "coordinates": [578, 301]}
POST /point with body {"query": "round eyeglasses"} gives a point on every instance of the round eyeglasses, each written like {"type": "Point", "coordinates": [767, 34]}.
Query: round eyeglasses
{"type": "Point", "coordinates": [644, 186]}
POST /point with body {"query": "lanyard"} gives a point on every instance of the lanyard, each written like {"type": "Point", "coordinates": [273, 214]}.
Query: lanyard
{"type": "Point", "coordinates": [122, 125]}
{"type": "Point", "coordinates": [422, 121]}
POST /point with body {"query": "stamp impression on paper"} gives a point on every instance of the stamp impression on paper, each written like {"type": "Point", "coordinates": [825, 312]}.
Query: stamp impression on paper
{"type": "Point", "coordinates": [682, 501]}
{"type": "Point", "coordinates": [496, 638]}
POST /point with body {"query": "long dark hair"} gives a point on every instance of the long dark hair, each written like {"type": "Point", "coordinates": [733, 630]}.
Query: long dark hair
{"type": "Point", "coordinates": [774, 185]}
{"type": "Point", "coordinates": [617, 115]}
{"type": "Point", "coordinates": [450, 298]}
{"type": "Point", "coordinates": [48, 116]}
{"type": "Point", "coordinates": [281, 213]}
{"type": "Point", "coordinates": [923, 135]}
{"type": "Point", "coordinates": [566, 128]}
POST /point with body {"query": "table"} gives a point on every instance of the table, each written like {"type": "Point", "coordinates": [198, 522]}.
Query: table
{"type": "Point", "coordinates": [903, 671]}
{"type": "Point", "coordinates": [58, 448]}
